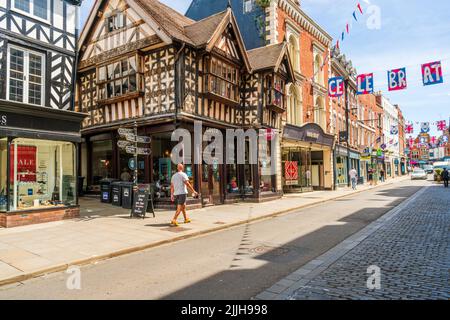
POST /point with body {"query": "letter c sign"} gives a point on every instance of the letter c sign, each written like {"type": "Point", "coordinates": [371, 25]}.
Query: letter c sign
{"type": "Point", "coordinates": [336, 87]}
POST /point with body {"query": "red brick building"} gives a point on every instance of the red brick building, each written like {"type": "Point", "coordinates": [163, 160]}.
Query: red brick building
{"type": "Point", "coordinates": [308, 111]}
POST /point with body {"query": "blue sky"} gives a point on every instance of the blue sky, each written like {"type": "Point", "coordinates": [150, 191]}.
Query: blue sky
{"type": "Point", "coordinates": [412, 32]}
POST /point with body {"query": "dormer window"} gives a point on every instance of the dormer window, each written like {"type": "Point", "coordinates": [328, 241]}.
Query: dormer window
{"type": "Point", "coordinates": [116, 22]}
{"type": "Point", "coordinates": [36, 8]}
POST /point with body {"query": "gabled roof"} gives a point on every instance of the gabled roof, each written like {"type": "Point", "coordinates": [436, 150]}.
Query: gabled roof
{"type": "Point", "coordinates": [171, 21]}
{"type": "Point", "coordinates": [171, 25]}
{"type": "Point", "coordinates": [202, 31]}
{"type": "Point", "coordinates": [270, 57]}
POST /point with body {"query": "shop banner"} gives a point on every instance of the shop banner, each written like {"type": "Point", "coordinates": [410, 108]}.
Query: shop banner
{"type": "Point", "coordinates": [26, 163]}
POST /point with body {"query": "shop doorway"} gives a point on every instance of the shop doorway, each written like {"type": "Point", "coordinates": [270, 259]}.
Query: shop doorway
{"type": "Point", "coordinates": [317, 168]}
{"type": "Point", "coordinates": [211, 187]}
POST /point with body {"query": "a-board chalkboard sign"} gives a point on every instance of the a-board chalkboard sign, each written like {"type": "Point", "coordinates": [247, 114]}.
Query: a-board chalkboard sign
{"type": "Point", "coordinates": [142, 202]}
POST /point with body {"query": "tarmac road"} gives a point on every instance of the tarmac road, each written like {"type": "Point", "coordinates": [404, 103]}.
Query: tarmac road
{"type": "Point", "coordinates": [236, 263]}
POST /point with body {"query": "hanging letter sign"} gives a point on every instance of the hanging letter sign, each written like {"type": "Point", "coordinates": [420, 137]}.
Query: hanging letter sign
{"type": "Point", "coordinates": [336, 87]}
{"type": "Point", "coordinates": [397, 79]}
{"type": "Point", "coordinates": [432, 73]}
{"type": "Point", "coordinates": [365, 83]}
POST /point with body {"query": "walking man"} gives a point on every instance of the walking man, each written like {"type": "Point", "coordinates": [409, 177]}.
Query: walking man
{"type": "Point", "coordinates": [178, 190]}
{"type": "Point", "coordinates": [353, 177]}
{"type": "Point", "coordinates": [445, 176]}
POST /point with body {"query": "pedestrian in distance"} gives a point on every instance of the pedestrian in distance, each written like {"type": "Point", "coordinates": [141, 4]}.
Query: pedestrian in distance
{"type": "Point", "coordinates": [445, 175]}
{"type": "Point", "coordinates": [382, 177]}
{"type": "Point", "coordinates": [370, 178]}
{"type": "Point", "coordinates": [353, 178]}
{"type": "Point", "coordinates": [179, 190]}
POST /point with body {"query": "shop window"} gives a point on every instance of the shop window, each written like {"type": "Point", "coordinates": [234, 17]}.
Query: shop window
{"type": "Point", "coordinates": [120, 78]}
{"type": "Point", "coordinates": [26, 76]}
{"type": "Point", "coordinates": [127, 173]}
{"type": "Point", "coordinates": [265, 170]}
{"type": "Point", "coordinates": [42, 174]}
{"type": "Point", "coordinates": [299, 159]}
{"type": "Point", "coordinates": [163, 168]}
{"type": "Point", "coordinates": [3, 174]}
{"type": "Point", "coordinates": [102, 156]}
{"type": "Point", "coordinates": [248, 170]}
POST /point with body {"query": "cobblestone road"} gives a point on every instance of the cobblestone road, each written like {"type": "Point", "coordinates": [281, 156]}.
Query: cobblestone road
{"type": "Point", "coordinates": [411, 249]}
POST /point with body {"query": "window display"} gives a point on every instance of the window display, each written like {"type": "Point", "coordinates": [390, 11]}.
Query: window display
{"type": "Point", "coordinates": [42, 174]}
{"type": "Point", "coordinates": [3, 174]}
{"type": "Point", "coordinates": [101, 160]}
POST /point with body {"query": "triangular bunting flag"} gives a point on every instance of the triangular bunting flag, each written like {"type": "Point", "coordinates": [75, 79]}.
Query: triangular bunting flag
{"type": "Point", "coordinates": [354, 15]}
{"type": "Point", "coordinates": [360, 9]}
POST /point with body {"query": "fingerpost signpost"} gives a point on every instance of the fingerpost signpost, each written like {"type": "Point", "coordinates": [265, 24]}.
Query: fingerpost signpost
{"type": "Point", "coordinates": [142, 193]}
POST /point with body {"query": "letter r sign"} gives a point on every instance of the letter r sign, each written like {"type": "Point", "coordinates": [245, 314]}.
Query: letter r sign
{"type": "Point", "coordinates": [397, 79]}
{"type": "Point", "coordinates": [336, 87]}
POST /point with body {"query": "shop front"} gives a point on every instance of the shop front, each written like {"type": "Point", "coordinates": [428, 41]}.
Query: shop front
{"type": "Point", "coordinates": [38, 164]}
{"type": "Point", "coordinates": [306, 159]}
{"type": "Point", "coordinates": [341, 154]}
{"type": "Point", "coordinates": [218, 182]}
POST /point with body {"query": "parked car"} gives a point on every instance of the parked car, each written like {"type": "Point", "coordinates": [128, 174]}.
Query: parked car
{"type": "Point", "coordinates": [419, 174]}
{"type": "Point", "coordinates": [428, 168]}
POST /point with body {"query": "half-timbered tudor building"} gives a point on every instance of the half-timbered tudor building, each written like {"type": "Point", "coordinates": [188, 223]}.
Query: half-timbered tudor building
{"type": "Point", "coordinates": [142, 62]}
{"type": "Point", "coordinates": [39, 129]}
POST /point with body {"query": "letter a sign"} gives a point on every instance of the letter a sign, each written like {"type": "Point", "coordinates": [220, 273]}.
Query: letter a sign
{"type": "Point", "coordinates": [397, 79]}
{"type": "Point", "coordinates": [365, 83]}
{"type": "Point", "coordinates": [336, 87]}
{"type": "Point", "coordinates": [432, 73]}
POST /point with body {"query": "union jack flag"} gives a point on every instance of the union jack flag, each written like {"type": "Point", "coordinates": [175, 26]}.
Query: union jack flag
{"type": "Point", "coordinates": [442, 125]}
{"type": "Point", "coordinates": [409, 128]}
{"type": "Point", "coordinates": [433, 140]}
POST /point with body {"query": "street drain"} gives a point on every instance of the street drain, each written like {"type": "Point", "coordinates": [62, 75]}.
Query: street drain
{"type": "Point", "coordinates": [276, 251]}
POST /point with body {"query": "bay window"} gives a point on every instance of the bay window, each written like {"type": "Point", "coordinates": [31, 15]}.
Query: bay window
{"type": "Point", "coordinates": [25, 76]}
{"type": "Point", "coordinates": [120, 78]}
{"type": "Point", "coordinates": [223, 80]}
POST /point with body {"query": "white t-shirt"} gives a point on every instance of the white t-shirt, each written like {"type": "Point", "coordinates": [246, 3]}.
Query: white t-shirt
{"type": "Point", "coordinates": [178, 180]}
{"type": "Point", "coordinates": [353, 174]}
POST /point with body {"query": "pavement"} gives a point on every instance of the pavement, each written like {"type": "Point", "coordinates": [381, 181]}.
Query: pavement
{"type": "Point", "coordinates": [404, 255]}
{"type": "Point", "coordinates": [103, 232]}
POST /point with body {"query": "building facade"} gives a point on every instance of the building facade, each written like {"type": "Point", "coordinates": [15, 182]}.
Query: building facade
{"type": "Point", "coordinates": [344, 115]}
{"type": "Point", "coordinates": [143, 63]}
{"type": "Point", "coordinates": [391, 137]}
{"type": "Point", "coordinates": [39, 130]}
{"type": "Point", "coordinates": [307, 145]}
